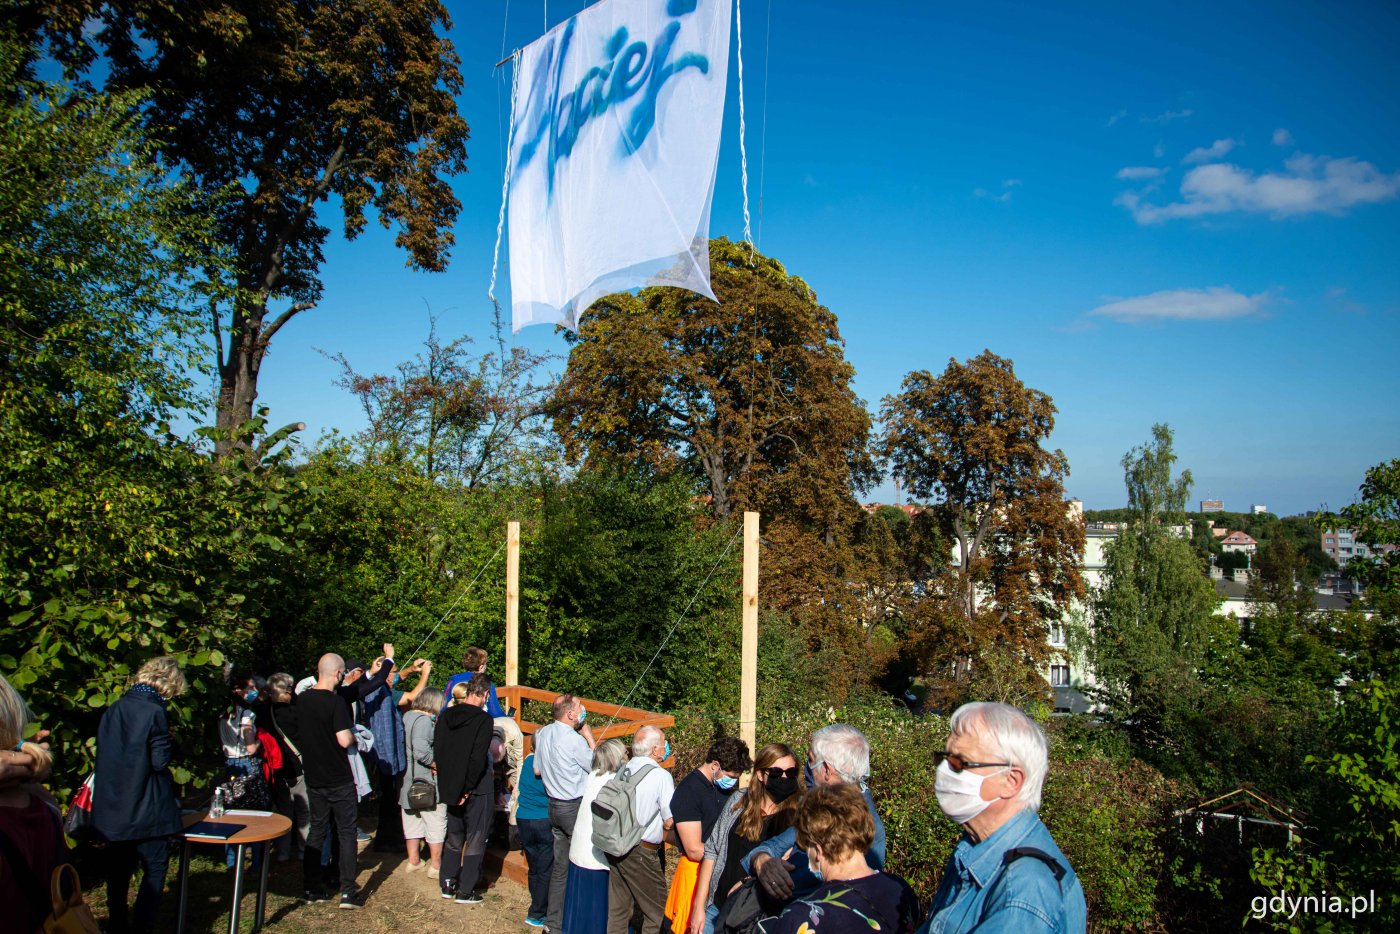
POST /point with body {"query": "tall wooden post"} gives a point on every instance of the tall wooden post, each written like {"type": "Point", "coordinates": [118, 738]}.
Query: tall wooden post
{"type": "Point", "coordinates": [513, 604]}
{"type": "Point", "coordinates": [748, 699]}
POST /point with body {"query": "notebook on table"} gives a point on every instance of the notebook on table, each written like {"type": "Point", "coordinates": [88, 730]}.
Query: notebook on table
{"type": "Point", "coordinates": [209, 830]}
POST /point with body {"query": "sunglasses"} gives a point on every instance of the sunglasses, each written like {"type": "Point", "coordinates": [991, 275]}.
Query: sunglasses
{"type": "Point", "coordinates": [776, 772]}
{"type": "Point", "coordinates": [957, 762]}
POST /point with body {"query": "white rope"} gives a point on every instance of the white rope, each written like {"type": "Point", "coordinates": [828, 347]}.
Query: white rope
{"type": "Point", "coordinates": [463, 593]}
{"type": "Point", "coordinates": [505, 178]}
{"type": "Point", "coordinates": [743, 153]}
{"type": "Point", "coordinates": [763, 133]}
{"type": "Point", "coordinates": [693, 597]}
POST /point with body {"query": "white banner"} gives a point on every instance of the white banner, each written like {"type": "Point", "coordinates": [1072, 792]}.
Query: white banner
{"type": "Point", "coordinates": [613, 152]}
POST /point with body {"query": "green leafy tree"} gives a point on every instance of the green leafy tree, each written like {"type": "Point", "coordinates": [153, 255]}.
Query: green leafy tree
{"type": "Point", "coordinates": [1375, 517]}
{"type": "Point", "coordinates": [972, 441]}
{"type": "Point", "coordinates": [118, 541]}
{"type": "Point", "coordinates": [271, 109]}
{"type": "Point", "coordinates": [1154, 619]}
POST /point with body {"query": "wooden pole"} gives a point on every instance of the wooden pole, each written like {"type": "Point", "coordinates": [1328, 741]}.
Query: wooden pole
{"type": "Point", "coordinates": [513, 604]}
{"type": "Point", "coordinates": [748, 699]}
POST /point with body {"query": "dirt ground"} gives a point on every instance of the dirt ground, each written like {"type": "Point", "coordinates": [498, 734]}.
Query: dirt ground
{"type": "Point", "coordinates": [395, 900]}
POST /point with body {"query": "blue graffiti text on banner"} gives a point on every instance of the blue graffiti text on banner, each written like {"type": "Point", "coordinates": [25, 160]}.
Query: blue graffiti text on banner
{"type": "Point", "coordinates": [557, 121]}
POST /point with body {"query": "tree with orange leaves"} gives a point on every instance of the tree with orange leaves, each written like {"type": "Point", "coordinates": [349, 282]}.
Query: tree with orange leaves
{"type": "Point", "coordinates": [972, 441]}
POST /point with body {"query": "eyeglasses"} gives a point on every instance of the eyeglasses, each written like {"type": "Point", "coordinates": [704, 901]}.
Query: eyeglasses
{"type": "Point", "coordinates": [776, 772]}
{"type": "Point", "coordinates": [957, 762]}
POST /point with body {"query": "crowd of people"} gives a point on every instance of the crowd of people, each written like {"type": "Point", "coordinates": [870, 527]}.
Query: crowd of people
{"type": "Point", "coordinates": [801, 847]}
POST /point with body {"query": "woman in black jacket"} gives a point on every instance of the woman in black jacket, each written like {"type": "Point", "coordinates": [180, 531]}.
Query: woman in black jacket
{"type": "Point", "coordinates": [134, 807]}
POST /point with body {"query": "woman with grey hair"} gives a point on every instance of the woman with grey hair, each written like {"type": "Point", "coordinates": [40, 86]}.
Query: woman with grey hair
{"type": "Point", "coordinates": [586, 898]}
{"type": "Point", "coordinates": [422, 824]}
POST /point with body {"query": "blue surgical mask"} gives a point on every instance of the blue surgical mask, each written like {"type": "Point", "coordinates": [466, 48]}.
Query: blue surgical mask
{"type": "Point", "coordinates": [726, 782]}
{"type": "Point", "coordinates": [817, 873]}
{"type": "Point", "coordinates": [251, 696]}
{"type": "Point", "coordinates": [807, 773]}
{"type": "Point", "coordinates": [666, 754]}
{"type": "Point", "coordinates": [582, 715]}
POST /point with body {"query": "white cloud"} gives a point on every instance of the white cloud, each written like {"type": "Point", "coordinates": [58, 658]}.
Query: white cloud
{"type": "Point", "coordinates": [1116, 117]}
{"type": "Point", "coordinates": [1220, 303]}
{"type": "Point", "coordinates": [1282, 137]}
{"type": "Point", "coordinates": [1159, 150]}
{"type": "Point", "coordinates": [1007, 187]}
{"type": "Point", "coordinates": [1212, 152]}
{"type": "Point", "coordinates": [1135, 173]}
{"type": "Point", "coordinates": [1168, 116]}
{"type": "Point", "coordinates": [1307, 185]}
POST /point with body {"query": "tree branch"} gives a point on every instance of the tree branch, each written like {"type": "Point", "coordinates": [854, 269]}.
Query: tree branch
{"type": "Point", "coordinates": [282, 319]}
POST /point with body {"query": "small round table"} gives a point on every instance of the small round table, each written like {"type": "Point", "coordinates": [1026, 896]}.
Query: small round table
{"type": "Point", "coordinates": [258, 827]}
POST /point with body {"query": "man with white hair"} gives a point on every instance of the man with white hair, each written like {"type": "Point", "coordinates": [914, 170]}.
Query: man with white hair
{"type": "Point", "coordinates": [838, 754]}
{"type": "Point", "coordinates": [1006, 873]}
{"type": "Point", "coordinates": [638, 878]}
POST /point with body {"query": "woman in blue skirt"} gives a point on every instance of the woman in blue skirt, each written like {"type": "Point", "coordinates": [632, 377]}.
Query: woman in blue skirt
{"type": "Point", "coordinates": [586, 891]}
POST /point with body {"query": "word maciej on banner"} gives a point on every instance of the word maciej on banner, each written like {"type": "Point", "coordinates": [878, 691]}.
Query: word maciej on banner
{"type": "Point", "coordinates": [614, 143]}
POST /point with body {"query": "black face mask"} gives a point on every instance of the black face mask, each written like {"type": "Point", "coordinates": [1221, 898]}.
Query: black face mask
{"type": "Point", "coordinates": [780, 789]}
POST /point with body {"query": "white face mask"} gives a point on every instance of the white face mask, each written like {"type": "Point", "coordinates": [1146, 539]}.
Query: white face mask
{"type": "Point", "coordinates": [959, 793]}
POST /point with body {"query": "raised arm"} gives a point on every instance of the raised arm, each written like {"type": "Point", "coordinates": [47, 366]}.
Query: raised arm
{"type": "Point", "coordinates": [424, 669]}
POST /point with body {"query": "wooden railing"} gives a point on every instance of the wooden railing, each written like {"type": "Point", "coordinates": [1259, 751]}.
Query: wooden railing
{"type": "Point", "coordinates": [626, 720]}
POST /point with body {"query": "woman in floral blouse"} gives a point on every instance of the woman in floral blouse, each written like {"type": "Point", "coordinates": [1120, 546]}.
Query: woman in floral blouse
{"type": "Point", "coordinates": [834, 827]}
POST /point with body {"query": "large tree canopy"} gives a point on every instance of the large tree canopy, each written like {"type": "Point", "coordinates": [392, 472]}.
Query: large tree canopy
{"type": "Point", "coordinates": [972, 441]}
{"type": "Point", "coordinates": [118, 541]}
{"type": "Point", "coordinates": [271, 107]}
{"type": "Point", "coordinates": [751, 395]}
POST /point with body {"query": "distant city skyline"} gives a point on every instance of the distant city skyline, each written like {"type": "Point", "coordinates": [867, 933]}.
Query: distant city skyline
{"type": "Point", "coordinates": [1185, 214]}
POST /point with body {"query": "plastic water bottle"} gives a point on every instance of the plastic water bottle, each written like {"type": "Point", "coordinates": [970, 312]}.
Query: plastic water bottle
{"type": "Point", "coordinates": [216, 807]}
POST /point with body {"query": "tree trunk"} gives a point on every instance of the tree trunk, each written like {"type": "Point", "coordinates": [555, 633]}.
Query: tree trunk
{"type": "Point", "coordinates": [238, 373]}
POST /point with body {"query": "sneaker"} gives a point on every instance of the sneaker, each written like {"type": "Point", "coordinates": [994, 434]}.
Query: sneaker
{"type": "Point", "coordinates": [413, 867]}
{"type": "Point", "coordinates": [351, 900]}
{"type": "Point", "coordinates": [449, 888]}
{"type": "Point", "coordinates": [471, 898]}
{"type": "Point", "coordinates": [311, 896]}
{"type": "Point", "coordinates": [362, 837]}
{"type": "Point", "coordinates": [535, 922]}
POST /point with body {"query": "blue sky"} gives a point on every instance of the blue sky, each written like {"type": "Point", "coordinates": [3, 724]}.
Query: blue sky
{"type": "Point", "coordinates": [1184, 213]}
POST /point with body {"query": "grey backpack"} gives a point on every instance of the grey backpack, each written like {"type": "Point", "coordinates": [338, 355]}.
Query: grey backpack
{"type": "Point", "coordinates": [616, 829]}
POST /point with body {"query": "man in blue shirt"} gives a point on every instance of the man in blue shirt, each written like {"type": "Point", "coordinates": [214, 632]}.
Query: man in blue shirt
{"type": "Point", "coordinates": [837, 755]}
{"type": "Point", "coordinates": [1006, 874]}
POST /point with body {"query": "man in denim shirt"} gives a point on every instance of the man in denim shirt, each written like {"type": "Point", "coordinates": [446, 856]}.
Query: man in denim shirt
{"type": "Point", "coordinates": [1006, 874]}
{"type": "Point", "coordinates": [837, 755]}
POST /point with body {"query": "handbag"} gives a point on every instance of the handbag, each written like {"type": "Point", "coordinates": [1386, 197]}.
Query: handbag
{"type": "Point", "coordinates": [59, 915]}
{"type": "Point", "coordinates": [422, 796]}
{"type": "Point", "coordinates": [77, 823]}
{"type": "Point", "coordinates": [743, 910]}
{"type": "Point", "coordinates": [422, 793]}
{"type": "Point", "coordinates": [248, 793]}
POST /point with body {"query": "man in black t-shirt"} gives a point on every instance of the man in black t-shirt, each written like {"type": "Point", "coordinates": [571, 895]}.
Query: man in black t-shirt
{"type": "Point", "coordinates": [696, 806]}
{"type": "Point", "coordinates": [324, 731]}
